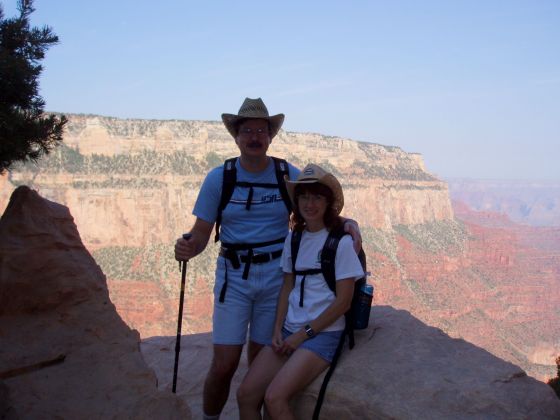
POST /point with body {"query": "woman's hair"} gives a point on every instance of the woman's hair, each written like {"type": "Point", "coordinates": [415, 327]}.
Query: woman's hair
{"type": "Point", "coordinates": [331, 219]}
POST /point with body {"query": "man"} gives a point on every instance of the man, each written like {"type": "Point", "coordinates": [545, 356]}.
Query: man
{"type": "Point", "coordinates": [254, 224]}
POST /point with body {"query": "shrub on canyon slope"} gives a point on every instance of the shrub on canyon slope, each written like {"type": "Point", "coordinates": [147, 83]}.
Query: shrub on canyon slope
{"type": "Point", "coordinates": [555, 382]}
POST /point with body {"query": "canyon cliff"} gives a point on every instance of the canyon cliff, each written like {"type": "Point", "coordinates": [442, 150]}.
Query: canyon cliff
{"type": "Point", "coordinates": [131, 185]}
{"type": "Point", "coordinates": [65, 352]}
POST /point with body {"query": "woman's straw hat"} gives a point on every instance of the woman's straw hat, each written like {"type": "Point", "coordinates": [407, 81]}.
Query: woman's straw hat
{"type": "Point", "coordinates": [313, 173]}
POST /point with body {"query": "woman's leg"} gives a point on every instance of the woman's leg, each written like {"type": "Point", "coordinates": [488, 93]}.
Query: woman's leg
{"type": "Point", "coordinates": [250, 394]}
{"type": "Point", "coordinates": [298, 372]}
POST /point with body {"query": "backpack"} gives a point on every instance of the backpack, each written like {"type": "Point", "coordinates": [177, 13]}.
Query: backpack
{"type": "Point", "coordinates": [328, 255]}
{"type": "Point", "coordinates": [230, 182]}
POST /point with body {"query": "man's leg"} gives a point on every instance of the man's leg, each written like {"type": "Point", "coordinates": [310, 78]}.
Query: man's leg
{"type": "Point", "coordinates": [269, 278]}
{"type": "Point", "coordinates": [229, 332]}
{"type": "Point", "coordinates": [253, 350]}
{"type": "Point", "coordinates": [216, 387]}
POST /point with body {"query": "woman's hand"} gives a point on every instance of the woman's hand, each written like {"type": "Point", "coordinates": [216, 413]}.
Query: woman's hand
{"type": "Point", "coordinates": [293, 342]}
{"type": "Point", "coordinates": [277, 342]}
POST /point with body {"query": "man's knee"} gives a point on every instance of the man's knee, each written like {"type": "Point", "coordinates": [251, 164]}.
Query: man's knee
{"type": "Point", "coordinates": [224, 362]}
{"type": "Point", "coordinates": [222, 369]}
{"type": "Point", "coordinates": [253, 350]}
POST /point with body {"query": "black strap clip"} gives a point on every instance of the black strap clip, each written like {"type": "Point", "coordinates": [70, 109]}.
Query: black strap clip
{"type": "Point", "coordinates": [231, 255]}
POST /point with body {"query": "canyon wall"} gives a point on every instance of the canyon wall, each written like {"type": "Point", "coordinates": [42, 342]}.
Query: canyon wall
{"type": "Point", "coordinates": [131, 185]}
{"type": "Point", "coordinates": [141, 177]}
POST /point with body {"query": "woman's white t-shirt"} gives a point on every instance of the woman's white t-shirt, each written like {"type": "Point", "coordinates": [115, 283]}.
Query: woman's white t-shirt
{"type": "Point", "coordinates": [316, 296]}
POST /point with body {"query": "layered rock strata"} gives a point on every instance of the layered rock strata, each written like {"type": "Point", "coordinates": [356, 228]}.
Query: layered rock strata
{"type": "Point", "coordinates": [141, 177]}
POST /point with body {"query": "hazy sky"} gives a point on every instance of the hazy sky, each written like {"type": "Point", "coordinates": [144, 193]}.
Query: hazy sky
{"type": "Point", "coordinates": [472, 85]}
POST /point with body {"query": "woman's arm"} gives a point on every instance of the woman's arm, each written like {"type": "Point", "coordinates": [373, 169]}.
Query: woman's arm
{"type": "Point", "coordinates": [282, 310]}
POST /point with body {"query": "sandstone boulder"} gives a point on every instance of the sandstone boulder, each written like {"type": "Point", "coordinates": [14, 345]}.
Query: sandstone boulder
{"type": "Point", "coordinates": [400, 368]}
{"type": "Point", "coordinates": [64, 350]}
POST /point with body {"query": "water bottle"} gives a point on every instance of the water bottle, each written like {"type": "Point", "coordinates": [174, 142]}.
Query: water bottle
{"type": "Point", "coordinates": [362, 307]}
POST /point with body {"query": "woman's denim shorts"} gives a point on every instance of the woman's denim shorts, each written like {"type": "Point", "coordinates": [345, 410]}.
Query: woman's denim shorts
{"type": "Point", "coordinates": [324, 344]}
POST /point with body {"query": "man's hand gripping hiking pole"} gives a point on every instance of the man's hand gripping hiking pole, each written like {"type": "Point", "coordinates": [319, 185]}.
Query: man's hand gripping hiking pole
{"type": "Point", "coordinates": [183, 267]}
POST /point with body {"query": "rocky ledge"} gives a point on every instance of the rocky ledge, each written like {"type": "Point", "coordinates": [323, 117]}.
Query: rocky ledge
{"type": "Point", "coordinates": [400, 368]}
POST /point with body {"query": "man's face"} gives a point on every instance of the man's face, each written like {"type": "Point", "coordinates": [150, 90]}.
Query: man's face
{"type": "Point", "coordinates": [253, 138]}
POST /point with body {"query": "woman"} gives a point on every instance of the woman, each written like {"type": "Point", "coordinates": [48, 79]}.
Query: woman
{"type": "Point", "coordinates": [309, 317]}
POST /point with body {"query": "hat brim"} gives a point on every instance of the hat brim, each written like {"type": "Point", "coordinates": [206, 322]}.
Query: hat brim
{"type": "Point", "coordinates": [328, 180]}
{"type": "Point", "coordinates": [230, 121]}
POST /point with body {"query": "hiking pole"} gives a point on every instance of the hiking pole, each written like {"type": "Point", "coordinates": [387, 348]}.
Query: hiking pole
{"type": "Point", "coordinates": [186, 236]}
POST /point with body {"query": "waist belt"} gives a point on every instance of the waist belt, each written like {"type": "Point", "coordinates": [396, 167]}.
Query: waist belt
{"type": "Point", "coordinates": [229, 251]}
{"type": "Point", "coordinates": [255, 258]}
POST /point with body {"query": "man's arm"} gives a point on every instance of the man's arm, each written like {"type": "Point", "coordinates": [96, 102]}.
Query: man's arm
{"type": "Point", "coordinates": [351, 227]}
{"type": "Point", "coordinates": [187, 249]}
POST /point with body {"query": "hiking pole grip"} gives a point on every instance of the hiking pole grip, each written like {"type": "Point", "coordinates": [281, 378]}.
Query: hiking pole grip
{"type": "Point", "coordinates": [186, 236]}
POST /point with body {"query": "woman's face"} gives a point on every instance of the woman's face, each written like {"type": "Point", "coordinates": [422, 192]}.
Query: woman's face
{"type": "Point", "coordinates": [312, 207]}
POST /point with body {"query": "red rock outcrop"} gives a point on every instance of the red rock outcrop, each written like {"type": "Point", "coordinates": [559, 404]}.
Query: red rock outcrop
{"type": "Point", "coordinates": [64, 351]}
{"type": "Point", "coordinates": [500, 291]}
{"type": "Point", "coordinates": [145, 305]}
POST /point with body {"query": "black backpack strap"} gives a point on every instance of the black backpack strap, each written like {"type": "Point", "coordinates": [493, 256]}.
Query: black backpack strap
{"type": "Point", "coordinates": [294, 248]}
{"type": "Point", "coordinates": [224, 286]}
{"type": "Point", "coordinates": [323, 389]}
{"type": "Point", "coordinates": [295, 241]}
{"type": "Point", "coordinates": [328, 257]}
{"type": "Point", "coordinates": [304, 273]}
{"type": "Point", "coordinates": [350, 315]}
{"type": "Point", "coordinates": [250, 185]}
{"type": "Point", "coordinates": [349, 329]}
{"type": "Point", "coordinates": [281, 167]}
{"type": "Point", "coordinates": [228, 185]}
{"type": "Point", "coordinates": [230, 180]}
